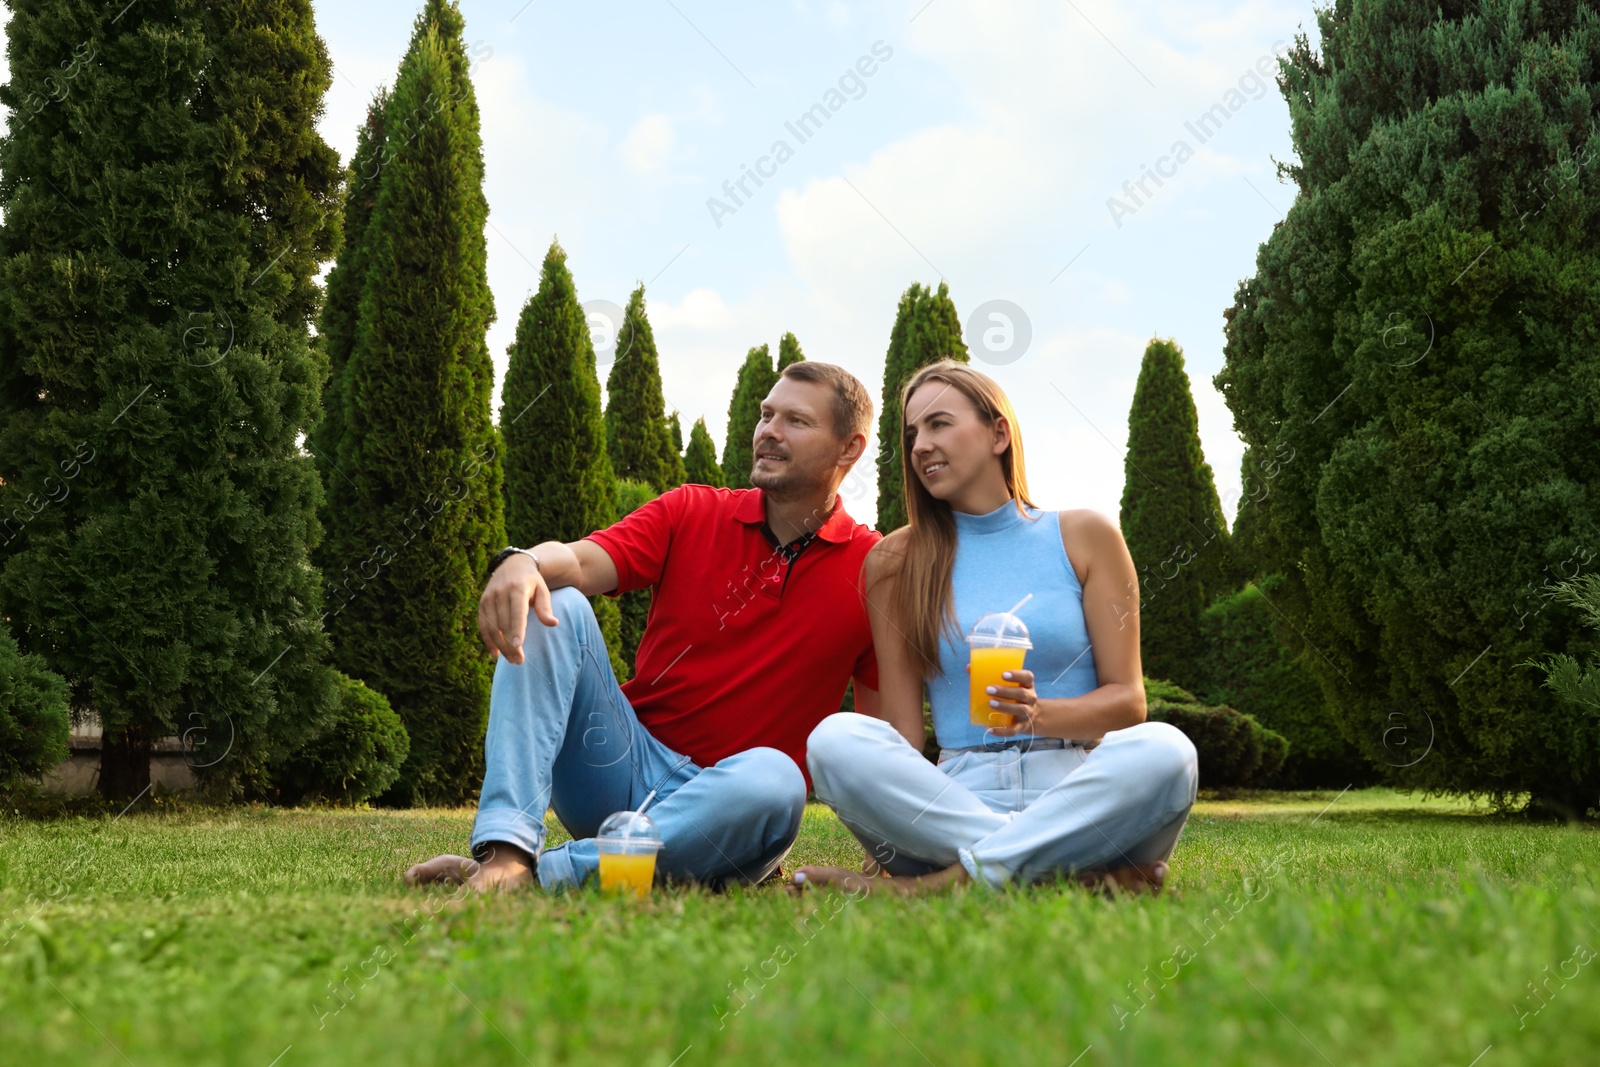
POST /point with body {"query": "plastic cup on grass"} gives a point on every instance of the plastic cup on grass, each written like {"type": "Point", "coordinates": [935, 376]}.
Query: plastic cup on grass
{"type": "Point", "coordinates": [628, 844]}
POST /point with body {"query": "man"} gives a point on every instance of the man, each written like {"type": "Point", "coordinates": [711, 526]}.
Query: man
{"type": "Point", "coordinates": [755, 627]}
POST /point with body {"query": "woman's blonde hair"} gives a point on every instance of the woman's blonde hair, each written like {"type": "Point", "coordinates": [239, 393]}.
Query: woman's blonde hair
{"type": "Point", "coordinates": [921, 605]}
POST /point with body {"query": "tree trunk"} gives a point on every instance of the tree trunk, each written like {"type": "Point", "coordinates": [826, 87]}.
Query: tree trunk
{"type": "Point", "coordinates": [1569, 803]}
{"type": "Point", "coordinates": [124, 763]}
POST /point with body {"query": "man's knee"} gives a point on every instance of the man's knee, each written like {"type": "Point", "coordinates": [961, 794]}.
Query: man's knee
{"type": "Point", "coordinates": [769, 786]}
{"type": "Point", "coordinates": [567, 604]}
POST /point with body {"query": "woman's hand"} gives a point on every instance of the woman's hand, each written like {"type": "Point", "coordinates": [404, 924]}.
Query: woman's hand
{"type": "Point", "coordinates": [1019, 700]}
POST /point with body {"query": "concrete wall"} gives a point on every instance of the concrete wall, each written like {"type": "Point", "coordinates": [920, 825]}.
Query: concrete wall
{"type": "Point", "coordinates": [79, 773]}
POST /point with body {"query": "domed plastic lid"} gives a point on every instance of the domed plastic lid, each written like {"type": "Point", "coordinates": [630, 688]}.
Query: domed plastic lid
{"type": "Point", "coordinates": [999, 629]}
{"type": "Point", "coordinates": [630, 824]}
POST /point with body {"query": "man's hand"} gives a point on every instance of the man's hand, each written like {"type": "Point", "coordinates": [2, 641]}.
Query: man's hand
{"type": "Point", "coordinates": [503, 607]}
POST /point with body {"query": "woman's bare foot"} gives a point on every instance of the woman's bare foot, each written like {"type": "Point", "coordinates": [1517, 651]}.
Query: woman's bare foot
{"type": "Point", "coordinates": [857, 882]}
{"type": "Point", "coordinates": [1137, 878]}
{"type": "Point", "coordinates": [507, 867]}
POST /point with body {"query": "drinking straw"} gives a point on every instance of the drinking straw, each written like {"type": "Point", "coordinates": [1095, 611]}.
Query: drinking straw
{"type": "Point", "coordinates": [1019, 604]}
{"type": "Point", "coordinates": [640, 811]}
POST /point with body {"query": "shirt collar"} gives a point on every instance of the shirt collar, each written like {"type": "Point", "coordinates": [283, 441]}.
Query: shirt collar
{"type": "Point", "coordinates": [1002, 518]}
{"type": "Point", "coordinates": [839, 527]}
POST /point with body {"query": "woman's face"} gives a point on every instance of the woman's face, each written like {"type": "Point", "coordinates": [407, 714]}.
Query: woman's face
{"type": "Point", "coordinates": [948, 444]}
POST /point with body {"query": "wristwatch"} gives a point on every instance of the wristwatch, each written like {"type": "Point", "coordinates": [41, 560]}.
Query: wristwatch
{"type": "Point", "coordinates": [509, 551]}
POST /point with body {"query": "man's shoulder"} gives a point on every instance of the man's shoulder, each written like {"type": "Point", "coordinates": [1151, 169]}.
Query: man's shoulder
{"type": "Point", "coordinates": [709, 500]}
{"type": "Point", "coordinates": [705, 510]}
{"type": "Point", "coordinates": [840, 525]}
{"type": "Point", "coordinates": [863, 537]}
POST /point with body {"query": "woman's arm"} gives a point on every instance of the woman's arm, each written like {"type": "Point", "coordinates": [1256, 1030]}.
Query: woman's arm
{"type": "Point", "coordinates": [899, 681]}
{"type": "Point", "coordinates": [1111, 613]}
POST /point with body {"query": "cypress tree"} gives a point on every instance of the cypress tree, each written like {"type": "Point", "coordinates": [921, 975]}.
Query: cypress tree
{"type": "Point", "coordinates": [1416, 343]}
{"type": "Point", "coordinates": [634, 606]}
{"type": "Point", "coordinates": [637, 436]}
{"type": "Point", "coordinates": [163, 225]}
{"type": "Point", "coordinates": [672, 458]}
{"type": "Point", "coordinates": [788, 352]}
{"type": "Point", "coordinates": [926, 330]}
{"type": "Point", "coordinates": [700, 462]}
{"type": "Point", "coordinates": [675, 429]}
{"type": "Point", "coordinates": [419, 448]}
{"type": "Point", "coordinates": [1211, 540]}
{"type": "Point", "coordinates": [608, 616]}
{"type": "Point", "coordinates": [559, 485]}
{"type": "Point", "coordinates": [558, 477]}
{"type": "Point", "coordinates": [756, 379]}
{"type": "Point", "coordinates": [1256, 479]}
{"type": "Point", "coordinates": [1241, 538]}
{"type": "Point", "coordinates": [639, 442]}
{"type": "Point", "coordinates": [336, 338]}
{"type": "Point", "coordinates": [890, 431]}
{"type": "Point", "coordinates": [1171, 517]}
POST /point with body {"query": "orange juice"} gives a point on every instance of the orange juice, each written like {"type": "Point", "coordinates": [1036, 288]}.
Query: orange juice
{"type": "Point", "coordinates": [624, 871]}
{"type": "Point", "coordinates": [987, 665]}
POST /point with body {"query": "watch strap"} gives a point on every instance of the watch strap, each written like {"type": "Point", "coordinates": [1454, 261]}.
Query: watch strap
{"type": "Point", "coordinates": [509, 551]}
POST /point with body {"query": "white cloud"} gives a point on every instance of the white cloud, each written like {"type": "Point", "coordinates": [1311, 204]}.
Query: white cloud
{"type": "Point", "coordinates": [700, 309]}
{"type": "Point", "coordinates": [1039, 113]}
{"type": "Point", "coordinates": [648, 145]}
{"type": "Point", "coordinates": [1053, 120]}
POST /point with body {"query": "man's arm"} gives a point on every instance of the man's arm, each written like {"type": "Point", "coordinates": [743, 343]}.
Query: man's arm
{"type": "Point", "coordinates": [517, 583]}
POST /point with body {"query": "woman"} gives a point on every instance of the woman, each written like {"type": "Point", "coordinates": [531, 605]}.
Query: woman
{"type": "Point", "coordinates": [1081, 785]}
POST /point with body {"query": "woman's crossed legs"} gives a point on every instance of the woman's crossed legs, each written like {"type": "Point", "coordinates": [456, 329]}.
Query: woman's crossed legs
{"type": "Point", "coordinates": [1111, 821]}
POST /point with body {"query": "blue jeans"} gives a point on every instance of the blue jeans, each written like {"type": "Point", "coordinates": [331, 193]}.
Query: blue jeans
{"type": "Point", "coordinates": [562, 735]}
{"type": "Point", "coordinates": [1011, 816]}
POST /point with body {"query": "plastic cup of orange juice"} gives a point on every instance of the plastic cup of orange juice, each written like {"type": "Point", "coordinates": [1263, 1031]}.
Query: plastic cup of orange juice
{"type": "Point", "coordinates": [998, 643]}
{"type": "Point", "coordinates": [628, 844]}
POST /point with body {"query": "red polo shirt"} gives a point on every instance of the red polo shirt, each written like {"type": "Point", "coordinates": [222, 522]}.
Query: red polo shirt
{"type": "Point", "coordinates": [741, 649]}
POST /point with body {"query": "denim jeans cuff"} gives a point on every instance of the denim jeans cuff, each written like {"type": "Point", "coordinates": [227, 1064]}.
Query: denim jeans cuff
{"type": "Point", "coordinates": [983, 875]}
{"type": "Point", "coordinates": [509, 825]}
{"type": "Point", "coordinates": [556, 869]}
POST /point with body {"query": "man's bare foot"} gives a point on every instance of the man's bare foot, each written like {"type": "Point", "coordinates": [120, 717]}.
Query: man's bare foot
{"type": "Point", "coordinates": [507, 867]}
{"type": "Point", "coordinates": [858, 882]}
{"type": "Point", "coordinates": [1137, 878]}
{"type": "Point", "coordinates": [448, 870]}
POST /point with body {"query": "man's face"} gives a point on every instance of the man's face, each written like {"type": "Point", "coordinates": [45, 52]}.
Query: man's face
{"type": "Point", "coordinates": [795, 449]}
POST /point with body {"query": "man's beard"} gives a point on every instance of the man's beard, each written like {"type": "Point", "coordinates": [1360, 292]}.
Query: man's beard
{"type": "Point", "coordinates": [791, 480]}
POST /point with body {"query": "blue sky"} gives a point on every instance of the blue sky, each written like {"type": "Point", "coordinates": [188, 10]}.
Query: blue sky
{"type": "Point", "coordinates": [983, 149]}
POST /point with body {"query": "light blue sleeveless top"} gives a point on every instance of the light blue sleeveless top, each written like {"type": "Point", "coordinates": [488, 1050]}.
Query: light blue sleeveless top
{"type": "Point", "coordinates": [1001, 557]}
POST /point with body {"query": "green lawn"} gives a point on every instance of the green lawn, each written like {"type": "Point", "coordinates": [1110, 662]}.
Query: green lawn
{"type": "Point", "coordinates": [1377, 930]}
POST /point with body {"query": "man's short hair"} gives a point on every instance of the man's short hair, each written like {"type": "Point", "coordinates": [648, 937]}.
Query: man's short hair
{"type": "Point", "coordinates": [852, 404]}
